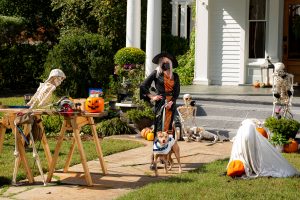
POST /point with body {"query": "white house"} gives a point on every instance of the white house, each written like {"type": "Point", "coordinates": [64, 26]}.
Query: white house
{"type": "Point", "coordinates": [233, 37]}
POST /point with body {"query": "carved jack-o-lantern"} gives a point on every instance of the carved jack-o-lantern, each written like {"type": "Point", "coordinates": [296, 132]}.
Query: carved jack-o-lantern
{"type": "Point", "coordinates": [94, 104]}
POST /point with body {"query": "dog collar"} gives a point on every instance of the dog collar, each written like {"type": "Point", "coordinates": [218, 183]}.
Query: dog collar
{"type": "Point", "coordinates": [163, 149]}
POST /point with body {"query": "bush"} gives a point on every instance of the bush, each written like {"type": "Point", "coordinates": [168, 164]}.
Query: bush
{"type": "Point", "coordinates": [113, 127]}
{"type": "Point", "coordinates": [87, 61]}
{"type": "Point", "coordinates": [285, 127]}
{"type": "Point", "coordinates": [130, 55]}
{"type": "Point", "coordinates": [174, 44]}
{"type": "Point", "coordinates": [52, 124]}
{"type": "Point", "coordinates": [21, 65]}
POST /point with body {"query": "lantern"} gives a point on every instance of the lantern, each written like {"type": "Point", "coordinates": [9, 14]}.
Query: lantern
{"type": "Point", "coordinates": [94, 104]}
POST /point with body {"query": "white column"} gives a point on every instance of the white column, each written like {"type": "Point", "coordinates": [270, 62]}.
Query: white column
{"type": "Point", "coordinates": [183, 20]}
{"type": "Point", "coordinates": [174, 18]}
{"type": "Point", "coordinates": [273, 33]}
{"type": "Point", "coordinates": [133, 23]}
{"type": "Point", "coordinates": [201, 48]}
{"type": "Point", "coordinates": [153, 33]}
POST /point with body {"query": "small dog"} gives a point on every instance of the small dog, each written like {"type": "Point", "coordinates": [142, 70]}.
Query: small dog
{"type": "Point", "coordinates": [163, 140]}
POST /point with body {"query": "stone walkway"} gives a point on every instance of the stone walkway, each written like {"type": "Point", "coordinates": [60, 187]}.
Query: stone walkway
{"type": "Point", "coordinates": [127, 171]}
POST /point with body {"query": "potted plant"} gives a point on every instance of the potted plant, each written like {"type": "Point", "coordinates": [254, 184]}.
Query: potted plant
{"type": "Point", "coordinates": [282, 129]}
{"type": "Point", "coordinates": [129, 72]}
{"type": "Point", "coordinates": [279, 140]}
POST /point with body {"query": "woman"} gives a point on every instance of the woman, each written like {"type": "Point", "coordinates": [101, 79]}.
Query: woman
{"type": "Point", "coordinates": [167, 91]}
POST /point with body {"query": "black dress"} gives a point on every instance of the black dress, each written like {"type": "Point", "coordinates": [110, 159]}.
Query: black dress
{"type": "Point", "coordinates": [161, 84]}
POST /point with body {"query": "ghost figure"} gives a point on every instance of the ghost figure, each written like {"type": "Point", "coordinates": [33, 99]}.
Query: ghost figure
{"type": "Point", "coordinates": [187, 114]}
{"type": "Point", "coordinates": [45, 90]}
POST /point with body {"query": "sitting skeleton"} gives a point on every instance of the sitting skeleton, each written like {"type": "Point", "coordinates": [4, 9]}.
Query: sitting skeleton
{"type": "Point", "coordinates": [187, 114]}
{"type": "Point", "coordinates": [282, 86]}
{"type": "Point", "coordinates": [45, 90]}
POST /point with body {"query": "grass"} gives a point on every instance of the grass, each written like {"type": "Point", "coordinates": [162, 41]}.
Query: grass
{"type": "Point", "coordinates": [109, 146]}
{"type": "Point", "coordinates": [208, 182]}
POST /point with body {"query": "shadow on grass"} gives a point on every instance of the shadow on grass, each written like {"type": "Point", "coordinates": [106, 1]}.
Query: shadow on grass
{"type": "Point", "coordinates": [4, 181]}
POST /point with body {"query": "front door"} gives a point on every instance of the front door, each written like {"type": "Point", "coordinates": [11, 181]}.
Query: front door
{"type": "Point", "coordinates": [291, 38]}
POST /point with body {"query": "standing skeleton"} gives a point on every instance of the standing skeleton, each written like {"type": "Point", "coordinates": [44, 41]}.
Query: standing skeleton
{"type": "Point", "coordinates": [187, 114]}
{"type": "Point", "coordinates": [39, 99]}
{"type": "Point", "coordinates": [282, 91]}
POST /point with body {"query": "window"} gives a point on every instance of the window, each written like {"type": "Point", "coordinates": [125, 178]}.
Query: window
{"type": "Point", "coordinates": [257, 28]}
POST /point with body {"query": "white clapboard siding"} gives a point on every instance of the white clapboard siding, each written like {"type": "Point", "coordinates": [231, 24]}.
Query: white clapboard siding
{"type": "Point", "coordinates": [226, 49]}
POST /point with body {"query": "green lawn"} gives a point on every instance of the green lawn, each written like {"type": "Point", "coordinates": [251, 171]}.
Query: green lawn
{"type": "Point", "coordinates": [109, 146]}
{"type": "Point", "coordinates": [208, 182]}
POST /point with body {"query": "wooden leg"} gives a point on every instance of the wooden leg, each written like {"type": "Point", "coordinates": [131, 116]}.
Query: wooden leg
{"type": "Point", "coordinates": [98, 147]}
{"type": "Point", "coordinates": [2, 136]}
{"type": "Point", "coordinates": [69, 158]}
{"type": "Point", "coordinates": [76, 135]}
{"type": "Point", "coordinates": [56, 152]}
{"type": "Point", "coordinates": [23, 158]}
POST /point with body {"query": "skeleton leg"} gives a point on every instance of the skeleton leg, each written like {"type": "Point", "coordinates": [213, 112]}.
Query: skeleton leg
{"type": "Point", "coordinates": [36, 157]}
{"type": "Point", "coordinates": [17, 158]}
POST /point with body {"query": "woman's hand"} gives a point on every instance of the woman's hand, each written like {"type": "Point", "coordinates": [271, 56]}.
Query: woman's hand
{"type": "Point", "coordinates": [156, 97]}
{"type": "Point", "coordinates": [169, 104]}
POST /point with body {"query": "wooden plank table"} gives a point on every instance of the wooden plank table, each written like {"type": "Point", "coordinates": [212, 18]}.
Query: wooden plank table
{"type": "Point", "coordinates": [7, 122]}
{"type": "Point", "coordinates": [74, 122]}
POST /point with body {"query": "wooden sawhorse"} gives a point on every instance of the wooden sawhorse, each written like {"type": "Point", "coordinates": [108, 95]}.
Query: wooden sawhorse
{"type": "Point", "coordinates": [7, 122]}
{"type": "Point", "coordinates": [75, 123]}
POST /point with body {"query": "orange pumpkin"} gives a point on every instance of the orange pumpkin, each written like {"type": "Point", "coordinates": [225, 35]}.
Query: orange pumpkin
{"type": "Point", "coordinates": [256, 84]}
{"type": "Point", "coordinates": [145, 131]}
{"type": "Point", "coordinates": [262, 131]}
{"type": "Point", "coordinates": [235, 168]}
{"type": "Point", "coordinates": [94, 104]}
{"type": "Point", "coordinates": [291, 147]}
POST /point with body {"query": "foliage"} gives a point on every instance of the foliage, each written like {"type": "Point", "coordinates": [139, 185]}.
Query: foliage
{"type": "Point", "coordinates": [76, 14]}
{"type": "Point", "coordinates": [174, 44]}
{"type": "Point", "coordinates": [106, 17]}
{"type": "Point", "coordinates": [129, 55]}
{"type": "Point", "coordinates": [210, 184]}
{"type": "Point", "coordinates": [288, 128]}
{"type": "Point", "coordinates": [10, 27]}
{"type": "Point", "coordinates": [113, 126]}
{"type": "Point", "coordinates": [52, 124]}
{"type": "Point", "coordinates": [37, 14]}
{"type": "Point", "coordinates": [279, 139]}
{"type": "Point", "coordinates": [21, 65]}
{"type": "Point", "coordinates": [144, 111]}
{"type": "Point", "coordinates": [109, 146]}
{"type": "Point", "coordinates": [186, 64]}
{"type": "Point", "coordinates": [86, 60]}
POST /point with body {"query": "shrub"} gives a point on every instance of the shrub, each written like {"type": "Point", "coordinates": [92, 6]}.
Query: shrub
{"type": "Point", "coordinates": [285, 127]}
{"type": "Point", "coordinates": [52, 124]}
{"type": "Point", "coordinates": [113, 126]}
{"type": "Point", "coordinates": [87, 61]}
{"type": "Point", "coordinates": [130, 55]}
{"type": "Point", "coordinates": [174, 44]}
